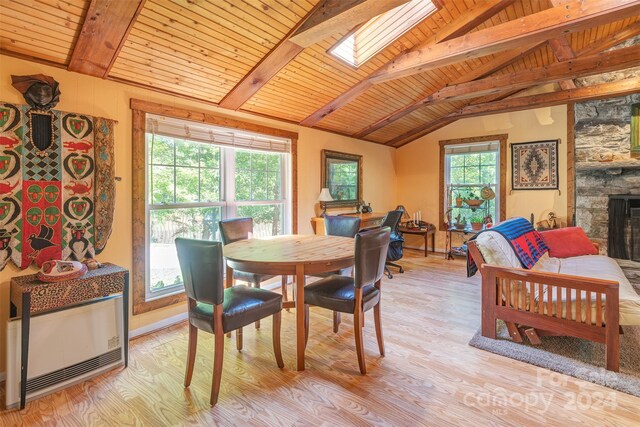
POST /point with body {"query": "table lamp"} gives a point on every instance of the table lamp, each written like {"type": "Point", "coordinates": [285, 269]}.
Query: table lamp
{"type": "Point", "coordinates": [323, 198]}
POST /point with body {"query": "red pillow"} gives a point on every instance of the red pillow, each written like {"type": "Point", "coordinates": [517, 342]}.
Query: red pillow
{"type": "Point", "coordinates": [568, 242]}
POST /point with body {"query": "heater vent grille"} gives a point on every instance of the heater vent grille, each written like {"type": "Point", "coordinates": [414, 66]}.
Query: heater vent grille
{"type": "Point", "coordinates": [73, 371]}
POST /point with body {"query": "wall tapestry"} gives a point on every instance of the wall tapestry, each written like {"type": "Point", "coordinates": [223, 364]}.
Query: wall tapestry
{"type": "Point", "coordinates": [535, 165]}
{"type": "Point", "coordinates": [57, 185]}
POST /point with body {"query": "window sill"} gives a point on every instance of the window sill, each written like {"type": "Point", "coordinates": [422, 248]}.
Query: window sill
{"type": "Point", "coordinates": [141, 305]}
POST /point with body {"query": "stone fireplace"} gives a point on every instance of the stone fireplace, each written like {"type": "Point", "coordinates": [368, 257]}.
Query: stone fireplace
{"type": "Point", "coordinates": [623, 240]}
{"type": "Point", "coordinates": [604, 165]}
{"type": "Point", "coordinates": [606, 173]}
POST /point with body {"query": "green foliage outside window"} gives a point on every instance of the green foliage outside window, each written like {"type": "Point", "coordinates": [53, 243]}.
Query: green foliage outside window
{"type": "Point", "coordinates": [468, 173]}
{"type": "Point", "coordinates": [182, 173]}
{"type": "Point", "coordinates": [344, 176]}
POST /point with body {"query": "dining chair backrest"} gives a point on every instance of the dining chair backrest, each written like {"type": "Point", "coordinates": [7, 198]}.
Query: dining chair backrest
{"type": "Point", "coordinates": [233, 230]}
{"type": "Point", "coordinates": [371, 254]}
{"type": "Point", "coordinates": [202, 269]}
{"type": "Point", "coordinates": [345, 226]}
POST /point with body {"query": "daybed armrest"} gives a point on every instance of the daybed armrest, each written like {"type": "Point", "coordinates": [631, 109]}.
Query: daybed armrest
{"type": "Point", "coordinates": [573, 299]}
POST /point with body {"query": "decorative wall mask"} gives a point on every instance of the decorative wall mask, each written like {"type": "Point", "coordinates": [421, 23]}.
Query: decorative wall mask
{"type": "Point", "coordinates": [42, 94]}
{"type": "Point", "coordinates": [56, 202]}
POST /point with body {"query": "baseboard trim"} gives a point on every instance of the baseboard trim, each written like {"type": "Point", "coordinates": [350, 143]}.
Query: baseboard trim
{"type": "Point", "coordinates": [161, 324]}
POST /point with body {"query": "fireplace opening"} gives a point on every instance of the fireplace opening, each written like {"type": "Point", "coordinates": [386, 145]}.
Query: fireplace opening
{"type": "Point", "coordinates": [624, 227]}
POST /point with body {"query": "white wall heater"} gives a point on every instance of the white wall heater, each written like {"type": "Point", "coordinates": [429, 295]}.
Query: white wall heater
{"type": "Point", "coordinates": [65, 347]}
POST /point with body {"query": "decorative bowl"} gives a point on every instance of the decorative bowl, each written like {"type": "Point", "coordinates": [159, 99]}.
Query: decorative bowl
{"type": "Point", "coordinates": [474, 203]}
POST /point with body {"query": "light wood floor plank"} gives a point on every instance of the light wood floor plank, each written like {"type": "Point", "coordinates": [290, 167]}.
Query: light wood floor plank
{"type": "Point", "coordinates": [430, 376]}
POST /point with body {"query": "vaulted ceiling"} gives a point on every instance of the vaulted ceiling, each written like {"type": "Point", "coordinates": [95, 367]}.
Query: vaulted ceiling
{"type": "Point", "coordinates": [270, 57]}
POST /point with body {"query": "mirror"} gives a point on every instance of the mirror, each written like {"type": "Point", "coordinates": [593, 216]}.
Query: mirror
{"type": "Point", "coordinates": [342, 175]}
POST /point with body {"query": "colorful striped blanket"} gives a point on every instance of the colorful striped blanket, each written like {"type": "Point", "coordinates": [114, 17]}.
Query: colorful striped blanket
{"type": "Point", "coordinates": [526, 242]}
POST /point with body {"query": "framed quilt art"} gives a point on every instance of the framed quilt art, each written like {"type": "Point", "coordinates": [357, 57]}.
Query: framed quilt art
{"type": "Point", "coordinates": [534, 165]}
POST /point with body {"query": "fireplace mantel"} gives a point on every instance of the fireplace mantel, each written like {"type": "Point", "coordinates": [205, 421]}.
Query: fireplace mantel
{"type": "Point", "coordinates": [620, 164]}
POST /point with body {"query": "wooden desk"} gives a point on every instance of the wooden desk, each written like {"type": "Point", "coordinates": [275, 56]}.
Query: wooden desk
{"type": "Point", "coordinates": [31, 297]}
{"type": "Point", "coordinates": [430, 230]}
{"type": "Point", "coordinates": [291, 255]}
{"type": "Point", "coordinates": [367, 220]}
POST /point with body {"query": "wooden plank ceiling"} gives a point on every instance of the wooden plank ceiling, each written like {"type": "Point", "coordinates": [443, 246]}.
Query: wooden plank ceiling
{"type": "Point", "coordinates": [242, 54]}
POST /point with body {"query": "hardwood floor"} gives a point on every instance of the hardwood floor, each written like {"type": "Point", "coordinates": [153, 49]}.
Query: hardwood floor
{"type": "Point", "coordinates": [430, 376]}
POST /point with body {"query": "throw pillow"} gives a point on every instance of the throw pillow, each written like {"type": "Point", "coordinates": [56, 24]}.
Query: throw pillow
{"type": "Point", "coordinates": [568, 242]}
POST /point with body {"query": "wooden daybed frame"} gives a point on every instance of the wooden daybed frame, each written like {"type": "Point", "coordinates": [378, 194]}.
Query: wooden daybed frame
{"type": "Point", "coordinates": [508, 294]}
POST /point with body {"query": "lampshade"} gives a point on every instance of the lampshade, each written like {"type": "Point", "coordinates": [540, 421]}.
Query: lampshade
{"type": "Point", "coordinates": [325, 196]}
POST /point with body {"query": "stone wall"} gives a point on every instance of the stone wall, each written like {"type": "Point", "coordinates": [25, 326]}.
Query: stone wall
{"type": "Point", "coordinates": [603, 161]}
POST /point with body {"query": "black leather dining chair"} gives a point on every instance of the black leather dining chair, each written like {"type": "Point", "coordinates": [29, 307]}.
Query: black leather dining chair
{"type": "Point", "coordinates": [341, 225]}
{"type": "Point", "coordinates": [356, 294]}
{"type": "Point", "coordinates": [233, 230]}
{"type": "Point", "coordinates": [344, 226]}
{"type": "Point", "coordinates": [216, 310]}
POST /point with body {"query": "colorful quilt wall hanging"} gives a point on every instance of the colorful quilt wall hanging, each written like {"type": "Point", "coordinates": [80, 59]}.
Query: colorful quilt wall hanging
{"type": "Point", "coordinates": [57, 196]}
{"type": "Point", "coordinates": [535, 165]}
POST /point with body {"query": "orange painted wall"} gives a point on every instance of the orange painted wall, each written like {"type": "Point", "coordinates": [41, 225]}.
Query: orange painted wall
{"type": "Point", "coordinates": [93, 96]}
{"type": "Point", "coordinates": [418, 164]}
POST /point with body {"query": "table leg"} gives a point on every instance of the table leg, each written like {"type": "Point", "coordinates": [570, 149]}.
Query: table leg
{"type": "Point", "coordinates": [300, 316]}
{"type": "Point", "coordinates": [125, 317]}
{"type": "Point", "coordinates": [433, 242]}
{"type": "Point", "coordinates": [24, 349]}
{"type": "Point", "coordinates": [426, 247]}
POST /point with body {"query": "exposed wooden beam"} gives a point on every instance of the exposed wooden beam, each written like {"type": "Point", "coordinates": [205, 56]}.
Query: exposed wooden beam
{"type": "Point", "coordinates": [586, 93]}
{"type": "Point", "coordinates": [603, 62]}
{"type": "Point", "coordinates": [499, 62]}
{"type": "Point", "coordinates": [563, 51]}
{"type": "Point", "coordinates": [339, 102]}
{"type": "Point", "coordinates": [286, 50]}
{"type": "Point", "coordinates": [104, 31]}
{"type": "Point", "coordinates": [424, 129]}
{"type": "Point", "coordinates": [338, 16]}
{"type": "Point", "coordinates": [561, 47]}
{"type": "Point", "coordinates": [537, 27]}
{"type": "Point", "coordinates": [598, 46]}
{"type": "Point", "coordinates": [465, 22]}
{"type": "Point", "coordinates": [260, 75]}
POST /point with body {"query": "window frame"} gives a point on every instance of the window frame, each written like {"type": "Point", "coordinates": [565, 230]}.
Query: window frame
{"type": "Point", "coordinates": [502, 173]}
{"type": "Point", "coordinates": [227, 203]}
{"type": "Point", "coordinates": [139, 197]}
{"type": "Point", "coordinates": [382, 33]}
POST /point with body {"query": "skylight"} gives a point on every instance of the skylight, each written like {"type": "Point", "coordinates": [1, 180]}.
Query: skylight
{"type": "Point", "coordinates": [379, 32]}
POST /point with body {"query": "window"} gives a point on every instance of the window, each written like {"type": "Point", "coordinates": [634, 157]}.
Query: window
{"type": "Point", "coordinates": [469, 165]}
{"type": "Point", "coordinates": [193, 175]}
{"type": "Point", "coordinates": [184, 200]}
{"type": "Point", "coordinates": [376, 34]}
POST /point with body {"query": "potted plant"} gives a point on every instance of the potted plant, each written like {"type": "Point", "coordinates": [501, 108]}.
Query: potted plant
{"type": "Point", "coordinates": [458, 199]}
{"type": "Point", "coordinates": [472, 200]}
{"type": "Point", "coordinates": [460, 224]}
{"type": "Point", "coordinates": [477, 221]}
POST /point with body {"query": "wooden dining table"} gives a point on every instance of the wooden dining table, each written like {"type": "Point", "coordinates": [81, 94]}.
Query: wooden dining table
{"type": "Point", "coordinates": [295, 255]}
